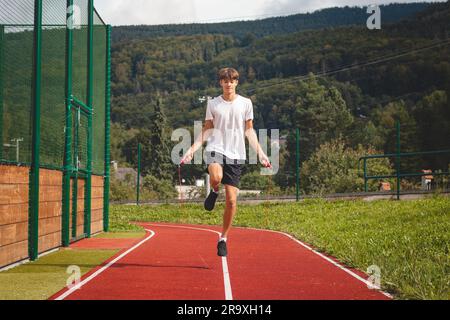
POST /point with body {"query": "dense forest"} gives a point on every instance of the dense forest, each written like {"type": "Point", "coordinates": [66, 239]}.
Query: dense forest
{"type": "Point", "coordinates": [325, 18]}
{"type": "Point", "coordinates": [327, 74]}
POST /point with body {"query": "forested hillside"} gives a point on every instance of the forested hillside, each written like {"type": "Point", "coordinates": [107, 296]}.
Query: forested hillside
{"type": "Point", "coordinates": [347, 83]}
{"type": "Point", "coordinates": [326, 18]}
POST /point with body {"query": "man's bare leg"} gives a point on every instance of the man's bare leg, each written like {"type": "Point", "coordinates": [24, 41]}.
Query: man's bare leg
{"type": "Point", "coordinates": [215, 175]}
{"type": "Point", "coordinates": [230, 208]}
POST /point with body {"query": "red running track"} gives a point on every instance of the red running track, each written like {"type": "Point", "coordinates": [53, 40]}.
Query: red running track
{"type": "Point", "coordinates": [179, 262]}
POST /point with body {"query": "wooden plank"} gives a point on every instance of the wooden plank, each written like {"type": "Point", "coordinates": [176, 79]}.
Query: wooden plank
{"type": "Point", "coordinates": [13, 233]}
{"type": "Point", "coordinates": [49, 241]}
{"type": "Point", "coordinates": [97, 214]}
{"type": "Point", "coordinates": [97, 192]}
{"type": "Point", "coordinates": [97, 226]}
{"type": "Point", "coordinates": [13, 213]}
{"type": "Point", "coordinates": [50, 209]}
{"type": "Point", "coordinates": [97, 181]}
{"type": "Point", "coordinates": [49, 225]}
{"type": "Point", "coordinates": [50, 177]}
{"type": "Point", "coordinates": [14, 174]}
{"type": "Point", "coordinates": [13, 193]}
{"type": "Point", "coordinates": [13, 252]}
{"type": "Point", "coordinates": [50, 193]}
{"type": "Point", "coordinates": [97, 203]}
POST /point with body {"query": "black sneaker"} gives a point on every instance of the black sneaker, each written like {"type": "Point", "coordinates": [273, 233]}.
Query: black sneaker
{"type": "Point", "coordinates": [222, 248]}
{"type": "Point", "coordinates": [210, 201]}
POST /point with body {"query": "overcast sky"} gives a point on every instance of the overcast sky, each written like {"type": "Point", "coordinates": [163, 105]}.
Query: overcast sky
{"type": "Point", "coordinates": [128, 12]}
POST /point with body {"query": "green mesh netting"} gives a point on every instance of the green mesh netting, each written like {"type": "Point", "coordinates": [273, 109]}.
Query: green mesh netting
{"type": "Point", "coordinates": [98, 124]}
{"type": "Point", "coordinates": [16, 65]}
{"type": "Point", "coordinates": [16, 83]}
{"type": "Point", "coordinates": [80, 53]}
{"type": "Point", "coordinates": [53, 111]}
{"type": "Point", "coordinates": [83, 134]}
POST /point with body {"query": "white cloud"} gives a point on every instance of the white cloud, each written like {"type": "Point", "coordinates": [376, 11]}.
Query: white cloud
{"type": "Point", "coordinates": [121, 12]}
{"type": "Point", "coordinates": [128, 12]}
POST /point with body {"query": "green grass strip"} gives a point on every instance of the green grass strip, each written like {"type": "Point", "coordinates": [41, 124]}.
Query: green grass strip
{"type": "Point", "coordinates": [41, 279]}
{"type": "Point", "coordinates": [121, 235]}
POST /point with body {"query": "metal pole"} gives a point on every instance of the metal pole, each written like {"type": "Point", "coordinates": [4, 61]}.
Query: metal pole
{"type": "Point", "coordinates": [68, 169]}
{"type": "Point", "coordinates": [107, 130]}
{"type": "Point", "coordinates": [33, 219]}
{"type": "Point", "coordinates": [297, 163]}
{"type": "Point", "coordinates": [75, 176]}
{"type": "Point", "coordinates": [138, 174]}
{"type": "Point", "coordinates": [365, 175]}
{"type": "Point", "coordinates": [18, 141]}
{"type": "Point", "coordinates": [2, 63]}
{"type": "Point", "coordinates": [87, 204]}
{"type": "Point", "coordinates": [397, 124]}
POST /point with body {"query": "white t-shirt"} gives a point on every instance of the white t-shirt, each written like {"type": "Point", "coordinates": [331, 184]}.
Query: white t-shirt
{"type": "Point", "coordinates": [229, 117]}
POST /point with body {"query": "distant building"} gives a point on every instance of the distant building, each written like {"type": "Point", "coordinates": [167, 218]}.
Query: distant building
{"type": "Point", "coordinates": [283, 140]}
{"type": "Point", "coordinates": [427, 180]}
{"type": "Point", "coordinates": [199, 182]}
{"type": "Point", "coordinates": [123, 174]}
{"type": "Point", "coordinates": [384, 186]}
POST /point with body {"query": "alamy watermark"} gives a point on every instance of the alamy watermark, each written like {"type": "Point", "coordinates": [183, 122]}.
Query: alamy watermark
{"type": "Point", "coordinates": [73, 17]}
{"type": "Point", "coordinates": [73, 281]}
{"type": "Point", "coordinates": [200, 156]}
{"type": "Point", "coordinates": [374, 21]}
{"type": "Point", "coordinates": [374, 281]}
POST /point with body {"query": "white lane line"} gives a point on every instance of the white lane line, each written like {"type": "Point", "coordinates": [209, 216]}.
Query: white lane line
{"type": "Point", "coordinates": [99, 271]}
{"type": "Point", "coordinates": [226, 280]}
{"type": "Point", "coordinates": [226, 274]}
{"type": "Point", "coordinates": [368, 283]}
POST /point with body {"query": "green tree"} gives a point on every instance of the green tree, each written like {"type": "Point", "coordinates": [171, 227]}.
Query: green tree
{"type": "Point", "coordinates": [248, 39]}
{"type": "Point", "coordinates": [385, 119]}
{"type": "Point", "coordinates": [432, 114]}
{"type": "Point", "coordinates": [130, 149]}
{"type": "Point", "coordinates": [155, 153]}
{"type": "Point", "coordinates": [119, 136]}
{"type": "Point", "coordinates": [254, 181]}
{"type": "Point", "coordinates": [160, 164]}
{"type": "Point", "coordinates": [321, 115]}
{"type": "Point", "coordinates": [162, 187]}
{"type": "Point", "coordinates": [335, 168]}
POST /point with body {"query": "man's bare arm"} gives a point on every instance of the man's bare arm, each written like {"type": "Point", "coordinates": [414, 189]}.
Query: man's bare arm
{"type": "Point", "coordinates": [253, 141]}
{"type": "Point", "coordinates": [201, 138]}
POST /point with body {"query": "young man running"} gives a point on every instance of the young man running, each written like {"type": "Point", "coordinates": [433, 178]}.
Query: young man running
{"type": "Point", "coordinates": [229, 119]}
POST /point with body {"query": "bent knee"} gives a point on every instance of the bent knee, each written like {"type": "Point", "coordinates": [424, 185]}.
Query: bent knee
{"type": "Point", "coordinates": [215, 179]}
{"type": "Point", "coordinates": [231, 203]}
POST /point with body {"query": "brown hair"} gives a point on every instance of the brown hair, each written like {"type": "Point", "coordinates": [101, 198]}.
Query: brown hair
{"type": "Point", "coordinates": [228, 74]}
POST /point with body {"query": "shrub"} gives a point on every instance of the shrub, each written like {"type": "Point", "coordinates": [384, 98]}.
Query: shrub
{"type": "Point", "coordinates": [335, 168]}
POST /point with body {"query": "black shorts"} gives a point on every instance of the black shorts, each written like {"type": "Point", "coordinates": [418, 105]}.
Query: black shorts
{"type": "Point", "coordinates": [232, 168]}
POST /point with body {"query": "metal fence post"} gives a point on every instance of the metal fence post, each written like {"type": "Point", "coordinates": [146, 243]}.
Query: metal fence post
{"type": "Point", "coordinates": [87, 197]}
{"type": "Point", "coordinates": [65, 233]}
{"type": "Point", "coordinates": [75, 176]}
{"type": "Point", "coordinates": [2, 63]}
{"type": "Point", "coordinates": [397, 162]}
{"type": "Point", "coordinates": [138, 175]}
{"type": "Point", "coordinates": [33, 213]}
{"type": "Point", "coordinates": [365, 175]}
{"type": "Point", "coordinates": [297, 163]}
{"type": "Point", "coordinates": [107, 130]}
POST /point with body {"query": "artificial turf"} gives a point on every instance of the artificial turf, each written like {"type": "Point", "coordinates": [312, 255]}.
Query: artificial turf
{"type": "Point", "coordinates": [40, 279]}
